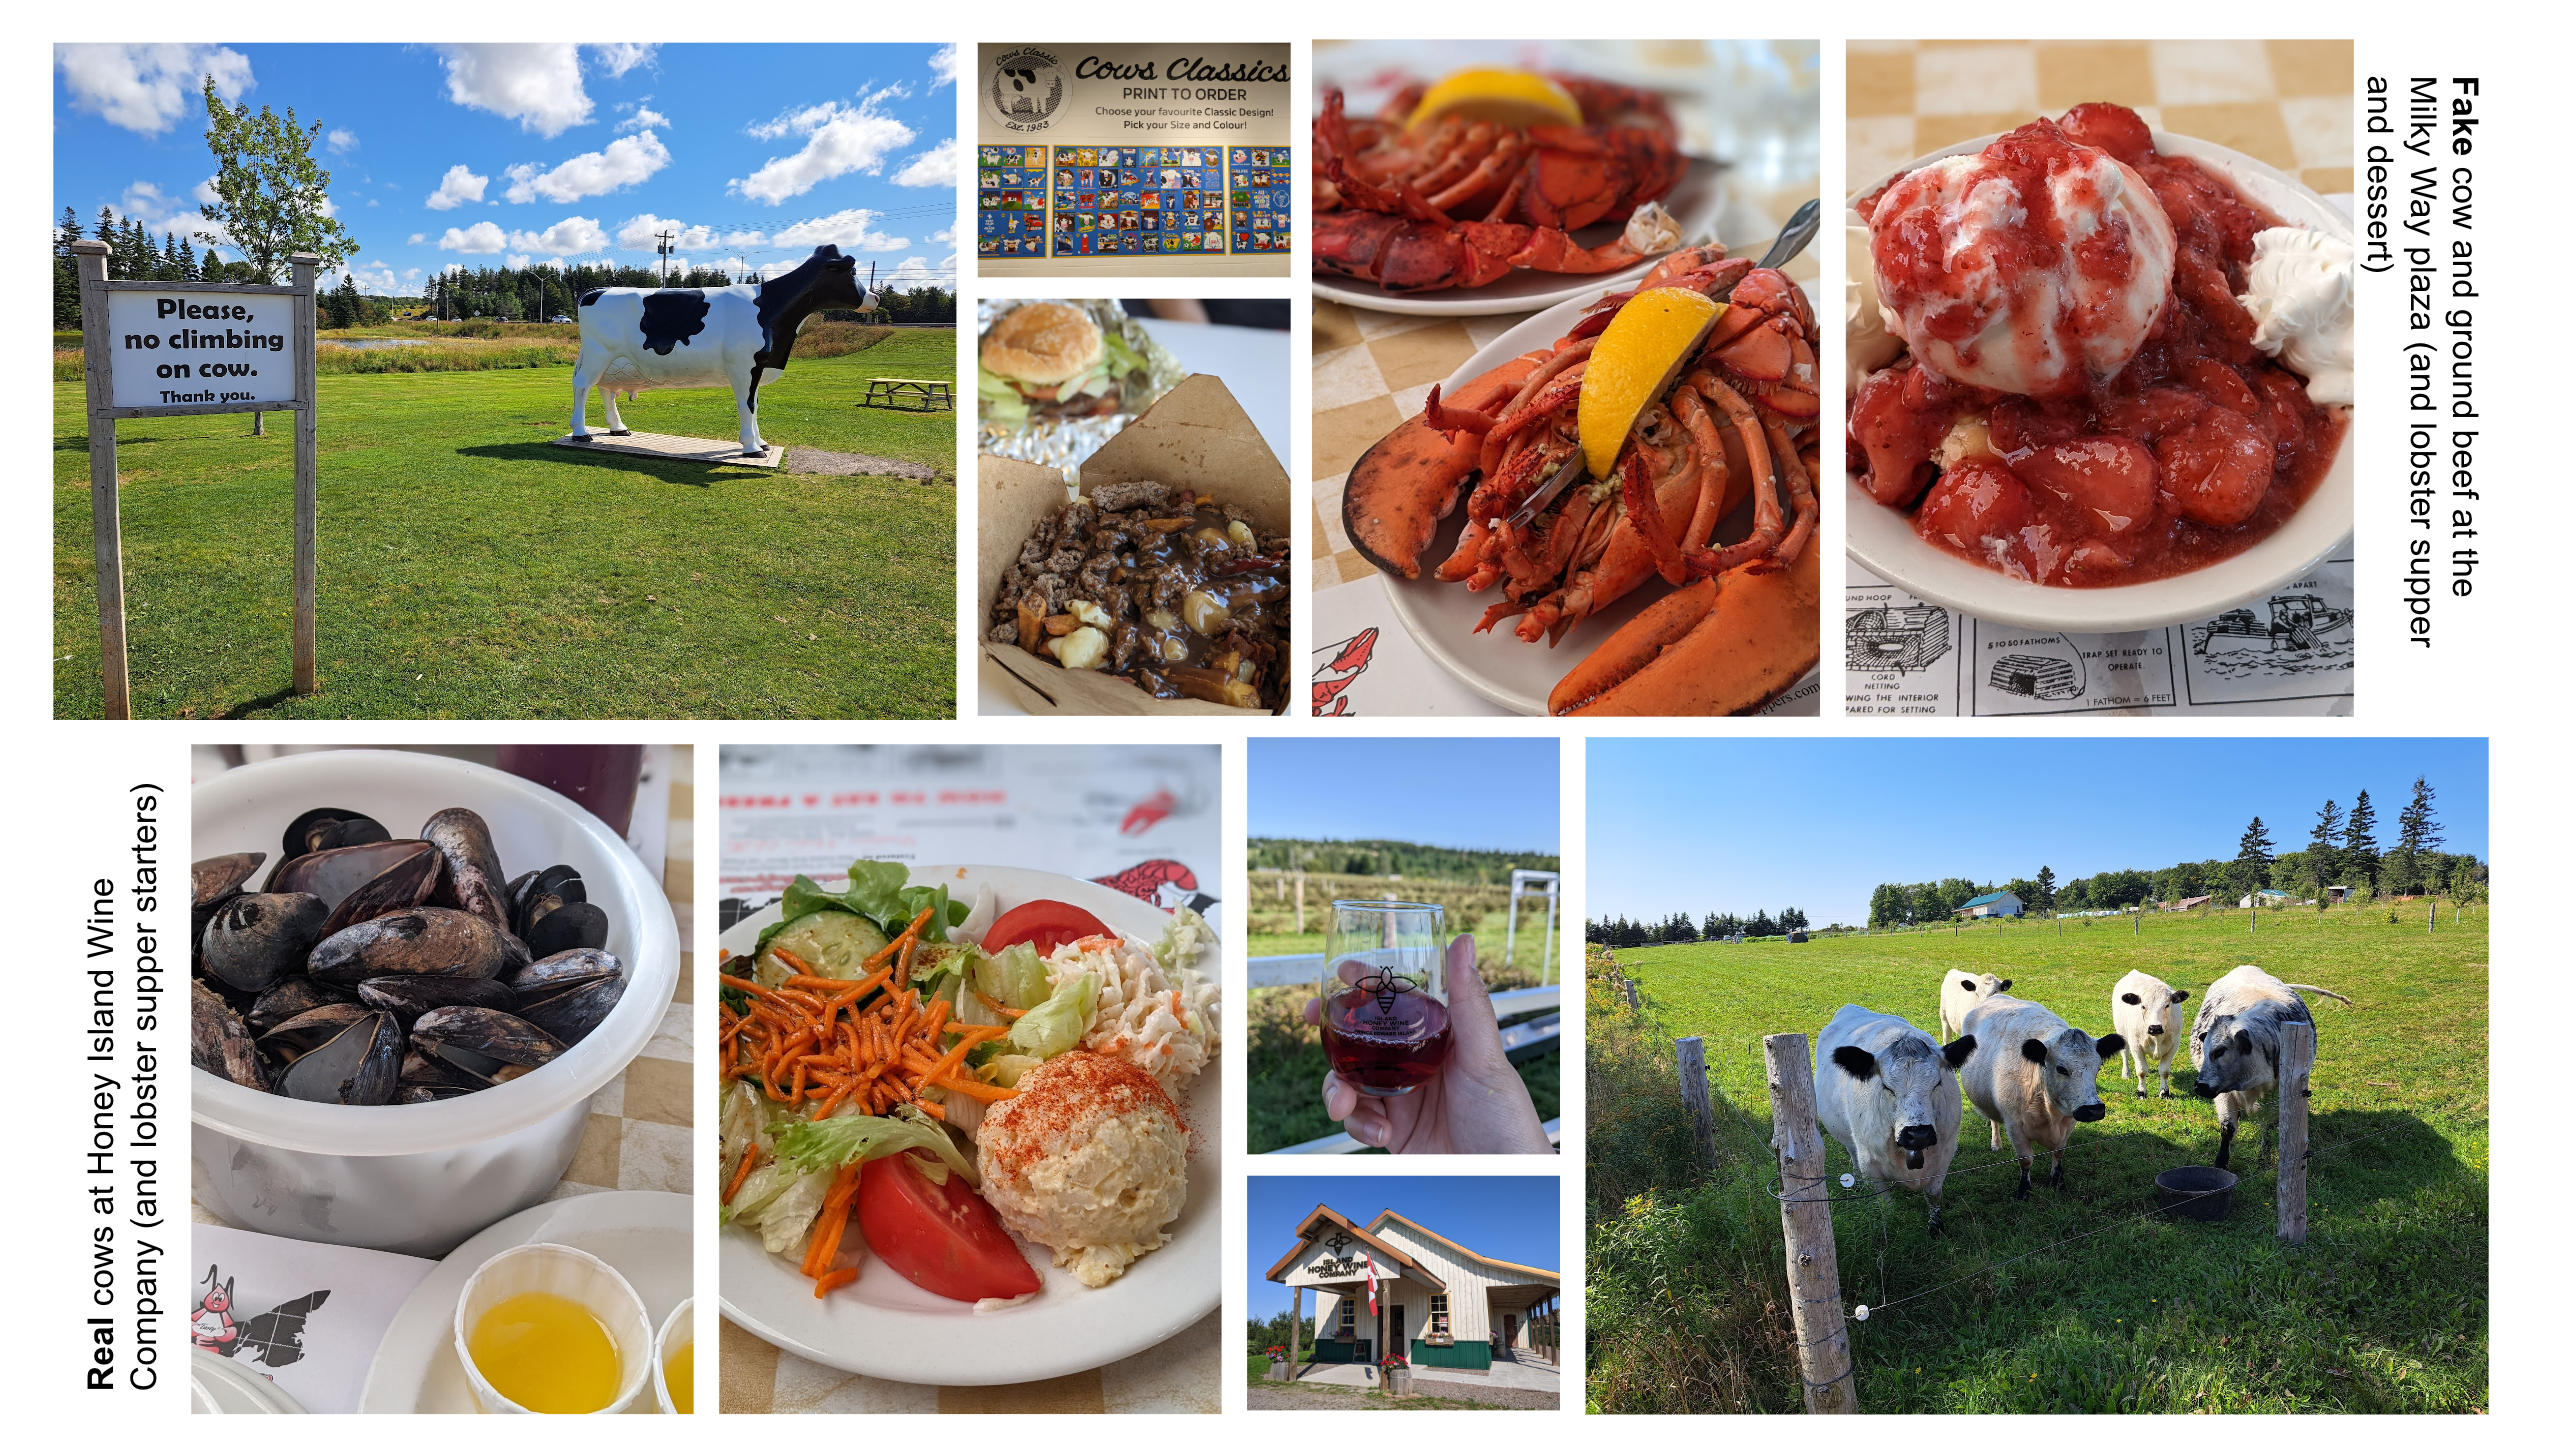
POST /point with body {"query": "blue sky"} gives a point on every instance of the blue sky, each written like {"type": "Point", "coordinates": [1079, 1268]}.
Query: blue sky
{"type": "Point", "coordinates": [1466, 794]}
{"type": "Point", "coordinates": [1734, 826]}
{"type": "Point", "coordinates": [1507, 1217]}
{"type": "Point", "coordinates": [530, 154]}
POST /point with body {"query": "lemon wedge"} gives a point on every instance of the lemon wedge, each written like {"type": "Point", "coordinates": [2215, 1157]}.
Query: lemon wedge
{"type": "Point", "coordinates": [1635, 361]}
{"type": "Point", "coordinates": [1505, 97]}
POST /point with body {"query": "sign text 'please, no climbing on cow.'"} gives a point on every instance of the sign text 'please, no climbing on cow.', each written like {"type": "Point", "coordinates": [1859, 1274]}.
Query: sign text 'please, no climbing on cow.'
{"type": "Point", "coordinates": [173, 347]}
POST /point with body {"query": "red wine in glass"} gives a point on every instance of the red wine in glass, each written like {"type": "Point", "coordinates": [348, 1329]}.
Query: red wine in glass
{"type": "Point", "coordinates": [1383, 1045]}
{"type": "Point", "coordinates": [1386, 1020]}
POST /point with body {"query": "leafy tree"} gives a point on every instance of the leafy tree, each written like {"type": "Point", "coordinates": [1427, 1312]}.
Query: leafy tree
{"type": "Point", "coordinates": [2363, 857]}
{"type": "Point", "coordinates": [1792, 918]}
{"type": "Point", "coordinates": [271, 196]}
{"type": "Point", "coordinates": [1887, 907]}
{"type": "Point", "coordinates": [2256, 850]}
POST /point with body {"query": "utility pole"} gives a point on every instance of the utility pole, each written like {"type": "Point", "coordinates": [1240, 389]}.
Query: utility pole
{"type": "Point", "coordinates": [666, 248]}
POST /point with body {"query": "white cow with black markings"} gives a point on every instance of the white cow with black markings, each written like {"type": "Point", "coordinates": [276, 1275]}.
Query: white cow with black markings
{"type": "Point", "coordinates": [2035, 1077]}
{"type": "Point", "coordinates": [2238, 1041]}
{"type": "Point", "coordinates": [740, 336]}
{"type": "Point", "coordinates": [2148, 1017]}
{"type": "Point", "coordinates": [1891, 1097]}
{"type": "Point", "coordinates": [1959, 993]}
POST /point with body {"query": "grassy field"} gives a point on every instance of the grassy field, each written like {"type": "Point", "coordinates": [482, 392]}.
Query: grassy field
{"type": "Point", "coordinates": [2386, 1308]}
{"type": "Point", "coordinates": [485, 345]}
{"type": "Point", "coordinates": [470, 568]}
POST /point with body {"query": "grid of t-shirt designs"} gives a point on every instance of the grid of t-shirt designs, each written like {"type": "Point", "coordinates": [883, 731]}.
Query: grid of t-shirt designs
{"type": "Point", "coordinates": [1259, 179]}
{"type": "Point", "coordinates": [1013, 200]}
{"type": "Point", "coordinates": [1139, 200]}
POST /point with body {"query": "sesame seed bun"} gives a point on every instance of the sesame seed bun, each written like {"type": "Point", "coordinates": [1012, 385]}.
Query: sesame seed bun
{"type": "Point", "coordinates": [1041, 344]}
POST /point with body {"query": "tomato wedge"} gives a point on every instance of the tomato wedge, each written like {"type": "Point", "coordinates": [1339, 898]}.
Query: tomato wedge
{"type": "Point", "coordinates": [942, 1237]}
{"type": "Point", "coordinates": [1047, 924]}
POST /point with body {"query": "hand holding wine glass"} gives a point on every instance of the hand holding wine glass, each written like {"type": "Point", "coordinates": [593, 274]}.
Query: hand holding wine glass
{"type": "Point", "coordinates": [1432, 1078]}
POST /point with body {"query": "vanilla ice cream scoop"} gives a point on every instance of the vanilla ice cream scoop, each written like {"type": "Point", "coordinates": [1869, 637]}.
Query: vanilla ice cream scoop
{"type": "Point", "coordinates": [2302, 294]}
{"type": "Point", "coordinates": [2036, 267]}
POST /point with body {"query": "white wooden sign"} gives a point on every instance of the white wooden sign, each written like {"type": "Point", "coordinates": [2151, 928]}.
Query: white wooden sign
{"type": "Point", "coordinates": [179, 348]}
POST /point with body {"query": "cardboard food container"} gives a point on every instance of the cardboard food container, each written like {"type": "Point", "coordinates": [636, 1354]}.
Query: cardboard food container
{"type": "Point", "coordinates": [1196, 438]}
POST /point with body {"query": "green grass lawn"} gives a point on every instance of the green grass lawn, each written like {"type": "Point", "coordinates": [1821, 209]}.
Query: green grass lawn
{"type": "Point", "coordinates": [470, 568]}
{"type": "Point", "coordinates": [2385, 1309]}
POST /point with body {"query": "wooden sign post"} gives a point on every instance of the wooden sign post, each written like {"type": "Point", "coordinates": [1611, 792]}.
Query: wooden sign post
{"type": "Point", "coordinates": [155, 348]}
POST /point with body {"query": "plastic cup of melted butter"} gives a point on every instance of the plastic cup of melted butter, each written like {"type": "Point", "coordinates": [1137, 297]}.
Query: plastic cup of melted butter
{"type": "Point", "coordinates": [674, 1367]}
{"type": "Point", "coordinates": [548, 1330]}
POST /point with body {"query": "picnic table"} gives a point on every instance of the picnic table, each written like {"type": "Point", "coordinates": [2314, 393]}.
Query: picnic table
{"type": "Point", "coordinates": [886, 389]}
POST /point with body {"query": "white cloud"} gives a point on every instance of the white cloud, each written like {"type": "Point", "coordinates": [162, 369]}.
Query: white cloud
{"type": "Point", "coordinates": [843, 139]}
{"type": "Point", "coordinates": [643, 118]}
{"type": "Point", "coordinates": [626, 161]}
{"type": "Point", "coordinates": [576, 235]}
{"type": "Point", "coordinates": [412, 276]}
{"type": "Point", "coordinates": [204, 193]}
{"type": "Point", "coordinates": [161, 213]}
{"type": "Point", "coordinates": [915, 271]}
{"type": "Point", "coordinates": [946, 66]}
{"type": "Point", "coordinates": [945, 234]}
{"type": "Point", "coordinates": [618, 60]}
{"type": "Point", "coordinates": [519, 262]}
{"type": "Point", "coordinates": [374, 279]}
{"type": "Point", "coordinates": [340, 142]}
{"type": "Point", "coordinates": [481, 239]}
{"type": "Point", "coordinates": [640, 232]}
{"type": "Point", "coordinates": [417, 239]}
{"type": "Point", "coordinates": [460, 187]}
{"type": "Point", "coordinates": [537, 86]}
{"type": "Point", "coordinates": [937, 168]}
{"type": "Point", "coordinates": [147, 88]}
{"type": "Point", "coordinates": [850, 229]}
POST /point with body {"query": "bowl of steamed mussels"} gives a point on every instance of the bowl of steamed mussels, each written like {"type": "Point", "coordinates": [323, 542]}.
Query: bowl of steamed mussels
{"type": "Point", "coordinates": [410, 975]}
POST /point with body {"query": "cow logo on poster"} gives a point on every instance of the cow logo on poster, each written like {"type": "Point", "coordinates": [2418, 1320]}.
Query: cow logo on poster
{"type": "Point", "coordinates": [1025, 89]}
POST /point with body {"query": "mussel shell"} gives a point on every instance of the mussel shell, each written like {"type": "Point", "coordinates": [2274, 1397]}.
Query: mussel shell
{"type": "Point", "coordinates": [561, 970]}
{"type": "Point", "coordinates": [472, 874]}
{"type": "Point", "coordinates": [404, 886]}
{"type": "Point", "coordinates": [423, 941]}
{"type": "Point", "coordinates": [287, 998]}
{"type": "Point", "coordinates": [571, 925]}
{"type": "Point", "coordinates": [411, 996]}
{"type": "Point", "coordinates": [252, 941]}
{"type": "Point", "coordinates": [422, 1069]}
{"type": "Point", "coordinates": [482, 1041]}
{"type": "Point", "coordinates": [333, 875]}
{"type": "Point", "coordinates": [327, 829]}
{"type": "Point", "coordinates": [220, 877]}
{"type": "Point", "coordinates": [298, 1035]}
{"type": "Point", "coordinates": [218, 1040]}
{"type": "Point", "coordinates": [542, 892]}
{"type": "Point", "coordinates": [572, 1014]}
{"type": "Point", "coordinates": [360, 1065]}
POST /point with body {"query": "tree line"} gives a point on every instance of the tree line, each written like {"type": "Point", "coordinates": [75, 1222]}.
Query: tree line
{"type": "Point", "coordinates": [539, 293]}
{"type": "Point", "coordinates": [1679, 929]}
{"type": "Point", "coordinates": [1394, 857]}
{"type": "Point", "coordinates": [2343, 847]}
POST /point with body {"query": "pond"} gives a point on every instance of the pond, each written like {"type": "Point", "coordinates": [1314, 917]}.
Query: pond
{"type": "Point", "coordinates": [373, 344]}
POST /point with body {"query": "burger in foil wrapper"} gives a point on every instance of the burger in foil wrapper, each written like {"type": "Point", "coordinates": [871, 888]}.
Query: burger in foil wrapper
{"type": "Point", "coordinates": [1056, 378]}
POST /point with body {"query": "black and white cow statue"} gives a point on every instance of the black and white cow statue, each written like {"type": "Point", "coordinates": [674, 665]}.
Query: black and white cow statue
{"type": "Point", "coordinates": [2035, 1077]}
{"type": "Point", "coordinates": [1891, 1097]}
{"type": "Point", "coordinates": [631, 339]}
{"type": "Point", "coordinates": [2147, 1016]}
{"type": "Point", "coordinates": [2238, 1041]}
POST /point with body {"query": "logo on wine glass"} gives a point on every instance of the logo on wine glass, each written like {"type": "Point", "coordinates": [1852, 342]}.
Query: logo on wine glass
{"type": "Point", "coordinates": [1384, 986]}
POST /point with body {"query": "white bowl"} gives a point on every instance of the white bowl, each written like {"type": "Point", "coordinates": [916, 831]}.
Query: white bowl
{"type": "Point", "coordinates": [672, 1336]}
{"type": "Point", "coordinates": [420, 1179]}
{"type": "Point", "coordinates": [1884, 540]}
{"type": "Point", "coordinates": [572, 1275]}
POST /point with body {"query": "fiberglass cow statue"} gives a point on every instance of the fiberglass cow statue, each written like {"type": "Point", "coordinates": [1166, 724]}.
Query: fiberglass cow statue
{"type": "Point", "coordinates": [739, 336]}
{"type": "Point", "coordinates": [2237, 1042]}
{"type": "Point", "coordinates": [1888, 1094]}
{"type": "Point", "coordinates": [2035, 1078]}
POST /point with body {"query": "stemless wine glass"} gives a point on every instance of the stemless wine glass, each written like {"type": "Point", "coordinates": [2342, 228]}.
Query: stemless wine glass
{"type": "Point", "coordinates": [1386, 1013]}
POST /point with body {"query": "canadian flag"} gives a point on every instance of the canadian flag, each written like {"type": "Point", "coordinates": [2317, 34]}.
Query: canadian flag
{"type": "Point", "coordinates": [1372, 1262]}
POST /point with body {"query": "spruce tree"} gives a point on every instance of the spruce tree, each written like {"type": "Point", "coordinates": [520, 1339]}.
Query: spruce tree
{"type": "Point", "coordinates": [2249, 868]}
{"type": "Point", "coordinates": [2420, 837]}
{"type": "Point", "coordinates": [66, 272]}
{"type": "Point", "coordinates": [2363, 856]}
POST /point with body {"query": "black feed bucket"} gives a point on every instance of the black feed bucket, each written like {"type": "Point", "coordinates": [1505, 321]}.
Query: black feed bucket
{"type": "Point", "coordinates": [2197, 1192]}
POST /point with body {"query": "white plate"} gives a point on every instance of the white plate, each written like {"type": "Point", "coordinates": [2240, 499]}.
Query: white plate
{"type": "Point", "coordinates": [645, 1234]}
{"type": "Point", "coordinates": [1695, 202]}
{"type": "Point", "coordinates": [220, 1385]}
{"type": "Point", "coordinates": [1884, 540]}
{"type": "Point", "coordinates": [885, 1327]}
{"type": "Point", "coordinates": [1441, 616]}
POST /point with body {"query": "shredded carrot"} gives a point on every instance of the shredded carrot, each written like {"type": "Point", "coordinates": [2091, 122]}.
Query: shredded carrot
{"type": "Point", "coordinates": [746, 1163]}
{"type": "Point", "coordinates": [1005, 1010]}
{"type": "Point", "coordinates": [835, 1278]}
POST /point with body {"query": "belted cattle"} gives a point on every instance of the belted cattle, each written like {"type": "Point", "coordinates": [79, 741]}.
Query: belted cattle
{"type": "Point", "coordinates": [1891, 1097]}
{"type": "Point", "coordinates": [2035, 1077]}
{"type": "Point", "coordinates": [1959, 993]}
{"type": "Point", "coordinates": [2238, 1040]}
{"type": "Point", "coordinates": [2147, 1016]}
{"type": "Point", "coordinates": [739, 336]}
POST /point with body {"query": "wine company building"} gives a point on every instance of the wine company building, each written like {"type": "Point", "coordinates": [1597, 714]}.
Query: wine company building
{"type": "Point", "coordinates": [1438, 1303]}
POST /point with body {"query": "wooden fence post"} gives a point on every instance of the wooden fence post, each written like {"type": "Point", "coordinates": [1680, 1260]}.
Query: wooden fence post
{"type": "Point", "coordinates": [1695, 1097]}
{"type": "Point", "coordinates": [2431, 917]}
{"type": "Point", "coordinates": [2293, 1134]}
{"type": "Point", "coordinates": [306, 476]}
{"type": "Point", "coordinates": [106, 520]}
{"type": "Point", "coordinates": [1813, 1266]}
{"type": "Point", "coordinates": [1629, 985]}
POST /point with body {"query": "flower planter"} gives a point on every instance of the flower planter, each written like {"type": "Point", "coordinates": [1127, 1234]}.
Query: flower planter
{"type": "Point", "coordinates": [1399, 1382]}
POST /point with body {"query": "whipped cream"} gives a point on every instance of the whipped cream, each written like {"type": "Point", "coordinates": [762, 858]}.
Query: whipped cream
{"type": "Point", "coordinates": [2302, 294]}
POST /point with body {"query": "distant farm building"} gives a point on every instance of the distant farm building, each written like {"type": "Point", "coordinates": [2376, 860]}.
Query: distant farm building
{"type": "Point", "coordinates": [2192, 902]}
{"type": "Point", "coordinates": [2264, 899]}
{"type": "Point", "coordinates": [1983, 907]}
